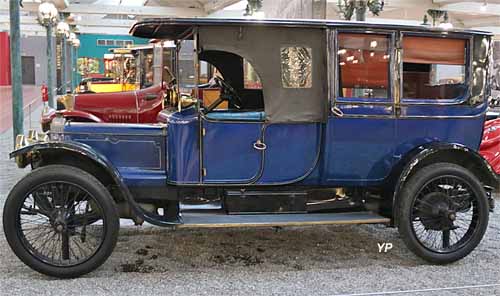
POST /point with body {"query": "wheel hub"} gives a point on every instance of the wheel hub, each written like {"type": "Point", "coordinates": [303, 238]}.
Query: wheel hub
{"type": "Point", "coordinates": [436, 213]}
{"type": "Point", "coordinates": [59, 223]}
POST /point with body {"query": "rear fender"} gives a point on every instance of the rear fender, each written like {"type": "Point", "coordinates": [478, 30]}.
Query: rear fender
{"type": "Point", "coordinates": [435, 152]}
{"type": "Point", "coordinates": [33, 154]}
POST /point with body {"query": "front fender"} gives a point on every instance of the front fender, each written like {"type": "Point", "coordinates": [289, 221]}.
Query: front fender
{"type": "Point", "coordinates": [80, 114]}
{"type": "Point", "coordinates": [33, 152]}
{"type": "Point", "coordinates": [48, 116]}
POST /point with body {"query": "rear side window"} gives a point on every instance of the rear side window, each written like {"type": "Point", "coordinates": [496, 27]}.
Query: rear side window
{"type": "Point", "coordinates": [296, 67]}
{"type": "Point", "coordinates": [363, 65]}
{"type": "Point", "coordinates": [433, 68]}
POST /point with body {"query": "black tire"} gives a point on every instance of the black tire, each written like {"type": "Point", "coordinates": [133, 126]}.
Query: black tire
{"type": "Point", "coordinates": [434, 211]}
{"type": "Point", "coordinates": [96, 199]}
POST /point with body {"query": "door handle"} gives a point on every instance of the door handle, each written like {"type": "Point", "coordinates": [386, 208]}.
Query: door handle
{"type": "Point", "coordinates": [259, 145]}
{"type": "Point", "coordinates": [337, 111]}
{"type": "Point", "coordinates": [150, 97]}
{"type": "Point", "coordinates": [397, 111]}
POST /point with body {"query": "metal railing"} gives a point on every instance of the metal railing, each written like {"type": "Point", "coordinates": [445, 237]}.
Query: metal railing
{"type": "Point", "coordinates": [29, 106]}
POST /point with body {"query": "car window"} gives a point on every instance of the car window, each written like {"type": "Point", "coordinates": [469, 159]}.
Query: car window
{"type": "Point", "coordinates": [363, 65]}
{"type": "Point", "coordinates": [296, 67]}
{"type": "Point", "coordinates": [433, 68]}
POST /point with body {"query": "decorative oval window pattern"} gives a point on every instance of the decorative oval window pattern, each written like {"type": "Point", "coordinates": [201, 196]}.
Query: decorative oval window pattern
{"type": "Point", "coordinates": [296, 67]}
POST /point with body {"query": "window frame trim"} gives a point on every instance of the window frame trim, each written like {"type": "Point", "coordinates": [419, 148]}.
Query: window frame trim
{"type": "Point", "coordinates": [389, 101]}
{"type": "Point", "coordinates": [468, 66]}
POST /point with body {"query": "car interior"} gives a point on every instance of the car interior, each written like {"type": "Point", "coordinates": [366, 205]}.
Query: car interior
{"type": "Point", "coordinates": [242, 103]}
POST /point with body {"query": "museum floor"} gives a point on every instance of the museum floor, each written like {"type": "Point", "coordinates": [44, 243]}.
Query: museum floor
{"type": "Point", "coordinates": [31, 97]}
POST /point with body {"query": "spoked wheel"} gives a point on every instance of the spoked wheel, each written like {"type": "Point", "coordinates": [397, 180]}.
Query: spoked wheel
{"type": "Point", "coordinates": [443, 213]}
{"type": "Point", "coordinates": [61, 221]}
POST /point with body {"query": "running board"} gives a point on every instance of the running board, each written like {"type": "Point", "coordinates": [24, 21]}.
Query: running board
{"type": "Point", "coordinates": [220, 220]}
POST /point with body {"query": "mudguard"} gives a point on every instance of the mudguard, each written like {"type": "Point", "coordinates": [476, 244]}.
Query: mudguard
{"type": "Point", "coordinates": [81, 114]}
{"type": "Point", "coordinates": [46, 118]}
{"type": "Point", "coordinates": [30, 152]}
{"type": "Point", "coordinates": [417, 156]}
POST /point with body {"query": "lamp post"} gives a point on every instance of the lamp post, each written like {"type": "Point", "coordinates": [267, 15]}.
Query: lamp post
{"type": "Point", "coordinates": [75, 43]}
{"type": "Point", "coordinates": [69, 40]}
{"type": "Point", "coordinates": [47, 16]}
{"type": "Point", "coordinates": [62, 31]}
{"type": "Point", "coordinates": [16, 74]}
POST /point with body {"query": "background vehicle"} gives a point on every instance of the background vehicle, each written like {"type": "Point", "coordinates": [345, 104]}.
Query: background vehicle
{"type": "Point", "coordinates": [341, 132]}
{"type": "Point", "coordinates": [106, 101]}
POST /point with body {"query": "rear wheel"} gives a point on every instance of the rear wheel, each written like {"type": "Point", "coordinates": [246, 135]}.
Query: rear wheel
{"type": "Point", "coordinates": [61, 221]}
{"type": "Point", "coordinates": [443, 213]}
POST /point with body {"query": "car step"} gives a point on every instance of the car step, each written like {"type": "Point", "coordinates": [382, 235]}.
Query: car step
{"type": "Point", "coordinates": [220, 220]}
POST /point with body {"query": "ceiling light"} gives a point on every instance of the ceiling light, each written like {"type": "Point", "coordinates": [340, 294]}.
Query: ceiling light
{"type": "Point", "coordinates": [373, 44]}
{"type": "Point", "coordinates": [446, 26]}
{"type": "Point", "coordinates": [484, 6]}
{"type": "Point", "coordinates": [372, 53]}
{"type": "Point", "coordinates": [350, 58]}
{"type": "Point", "coordinates": [342, 51]}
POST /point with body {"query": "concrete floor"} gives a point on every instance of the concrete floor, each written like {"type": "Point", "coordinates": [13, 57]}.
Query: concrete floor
{"type": "Point", "coordinates": [333, 260]}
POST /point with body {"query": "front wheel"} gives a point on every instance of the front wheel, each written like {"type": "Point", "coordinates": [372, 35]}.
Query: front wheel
{"type": "Point", "coordinates": [61, 221]}
{"type": "Point", "coordinates": [443, 213]}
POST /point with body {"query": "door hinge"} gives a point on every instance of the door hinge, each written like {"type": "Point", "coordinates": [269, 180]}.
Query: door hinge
{"type": "Point", "coordinates": [203, 131]}
{"type": "Point", "coordinates": [204, 171]}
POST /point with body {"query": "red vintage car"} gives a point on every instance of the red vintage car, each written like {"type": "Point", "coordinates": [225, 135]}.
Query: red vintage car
{"type": "Point", "coordinates": [138, 106]}
{"type": "Point", "coordinates": [490, 144]}
{"type": "Point", "coordinates": [141, 105]}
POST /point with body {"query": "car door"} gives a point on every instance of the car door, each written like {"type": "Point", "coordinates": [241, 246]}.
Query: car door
{"type": "Point", "coordinates": [149, 103]}
{"type": "Point", "coordinates": [231, 149]}
{"type": "Point", "coordinates": [360, 134]}
{"type": "Point", "coordinates": [292, 152]}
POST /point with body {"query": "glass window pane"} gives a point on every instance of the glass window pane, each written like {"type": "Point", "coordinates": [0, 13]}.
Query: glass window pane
{"type": "Point", "coordinates": [168, 67]}
{"type": "Point", "coordinates": [251, 79]}
{"type": "Point", "coordinates": [433, 68]}
{"type": "Point", "coordinates": [110, 42]}
{"type": "Point", "coordinates": [363, 65]}
{"type": "Point", "coordinates": [186, 67]}
{"type": "Point", "coordinates": [296, 67]}
{"type": "Point", "coordinates": [101, 42]}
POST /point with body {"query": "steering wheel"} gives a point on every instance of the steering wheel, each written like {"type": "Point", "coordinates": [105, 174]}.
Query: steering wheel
{"type": "Point", "coordinates": [228, 92]}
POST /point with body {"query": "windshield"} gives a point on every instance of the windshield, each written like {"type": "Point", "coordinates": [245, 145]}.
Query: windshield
{"type": "Point", "coordinates": [145, 67]}
{"type": "Point", "coordinates": [186, 71]}
{"type": "Point", "coordinates": [187, 77]}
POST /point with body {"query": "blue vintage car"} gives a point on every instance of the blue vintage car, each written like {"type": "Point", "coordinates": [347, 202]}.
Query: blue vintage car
{"type": "Point", "coordinates": [314, 122]}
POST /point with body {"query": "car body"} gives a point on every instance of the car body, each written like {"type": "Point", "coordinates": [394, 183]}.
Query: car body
{"type": "Point", "coordinates": [355, 123]}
